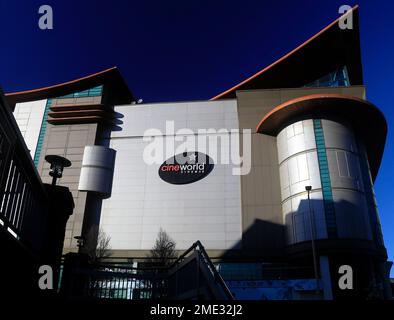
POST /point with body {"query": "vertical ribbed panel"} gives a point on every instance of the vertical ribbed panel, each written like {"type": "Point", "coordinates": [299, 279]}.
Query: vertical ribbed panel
{"type": "Point", "coordinates": [41, 136]}
{"type": "Point", "coordinates": [325, 179]}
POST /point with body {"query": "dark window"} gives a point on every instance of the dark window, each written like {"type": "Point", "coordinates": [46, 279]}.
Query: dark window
{"type": "Point", "coordinates": [337, 78]}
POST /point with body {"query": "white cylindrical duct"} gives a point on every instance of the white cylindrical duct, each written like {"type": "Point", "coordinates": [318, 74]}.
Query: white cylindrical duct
{"type": "Point", "coordinates": [97, 170]}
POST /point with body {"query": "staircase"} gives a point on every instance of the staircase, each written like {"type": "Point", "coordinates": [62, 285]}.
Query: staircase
{"type": "Point", "coordinates": [191, 277]}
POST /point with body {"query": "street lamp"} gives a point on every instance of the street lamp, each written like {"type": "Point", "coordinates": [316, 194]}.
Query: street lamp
{"type": "Point", "coordinates": [80, 241]}
{"type": "Point", "coordinates": [58, 163]}
{"type": "Point", "coordinates": [312, 230]}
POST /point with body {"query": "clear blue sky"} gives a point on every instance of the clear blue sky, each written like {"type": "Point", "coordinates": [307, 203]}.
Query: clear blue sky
{"type": "Point", "coordinates": [191, 49]}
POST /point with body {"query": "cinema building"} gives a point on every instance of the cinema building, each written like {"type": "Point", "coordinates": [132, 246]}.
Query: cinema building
{"type": "Point", "coordinates": [311, 126]}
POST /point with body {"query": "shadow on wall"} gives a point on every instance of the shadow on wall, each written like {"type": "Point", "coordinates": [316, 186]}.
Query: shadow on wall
{"type": "Point", "coordinates": [355, 245]}
{"type": "Point", "coordinates": [270, 241]}
{"type": "Point", "coordinates": [263, 239]}
{"type": "Point", "coordinates": [351, 220]}
{"type": "Point", "coordinates": [94, 200]}
{"type": "Point", "coordinates": [117, 122]}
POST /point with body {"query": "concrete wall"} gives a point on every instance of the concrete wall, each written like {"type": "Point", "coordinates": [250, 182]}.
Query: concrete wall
{"type": "Point", "coordinates": [261, 220]}
{"type": "Point", "coordinates": [69, 141]}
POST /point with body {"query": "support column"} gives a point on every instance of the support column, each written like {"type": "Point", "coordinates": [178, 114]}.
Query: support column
{"type": "Point", "coordinates": [326, 277]}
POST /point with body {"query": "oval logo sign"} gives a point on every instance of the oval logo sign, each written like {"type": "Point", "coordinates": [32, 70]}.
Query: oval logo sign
{"type": "Point", "coordinates": [186, 168]}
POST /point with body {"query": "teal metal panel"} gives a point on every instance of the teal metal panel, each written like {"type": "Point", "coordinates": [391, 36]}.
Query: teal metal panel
{"type": "Point", "coordinates": [329, 208]}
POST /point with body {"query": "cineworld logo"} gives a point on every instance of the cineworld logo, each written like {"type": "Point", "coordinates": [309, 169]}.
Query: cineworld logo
{"type": "Point", "coordinates": [224, 146]}
{"type": "Point", "coordinates": [186, 168]}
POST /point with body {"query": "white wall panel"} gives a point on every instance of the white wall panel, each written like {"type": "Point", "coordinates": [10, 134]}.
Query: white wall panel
{"type": "Point", "coordinates": [208, 210]}
{"type": "Point", "coordinates": [28, 116]}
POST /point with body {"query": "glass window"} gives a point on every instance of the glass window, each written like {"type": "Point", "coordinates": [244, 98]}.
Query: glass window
{"type": "Point", "coordinates": [337, 78]}
{"type": "Point", "coordinates": [92, 92]}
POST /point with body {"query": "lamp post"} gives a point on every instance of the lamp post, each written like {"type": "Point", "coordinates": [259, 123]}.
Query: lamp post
{"type": "Point", "coordinates": [58, 163]}
{"type": "Point", "coordinates": [312, 229]}
{"type": "Point", "coordinates": [80, 242]}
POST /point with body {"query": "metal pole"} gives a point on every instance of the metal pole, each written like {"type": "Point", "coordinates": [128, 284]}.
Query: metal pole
{"type": "Point", "coordinates": [198, 274]}
{"type": "Point", "coordinates": [313, 242]}
{"type": "Point", "coordinates": [176, 281]}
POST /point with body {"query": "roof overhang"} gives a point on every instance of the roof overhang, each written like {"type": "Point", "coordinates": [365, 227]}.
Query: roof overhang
{"type": "Point", "coordinates": [111, 79]}
{"type": "Point", "coordinates": [323, 53]}
{"type": "Point", "coordinates": [366, 120]}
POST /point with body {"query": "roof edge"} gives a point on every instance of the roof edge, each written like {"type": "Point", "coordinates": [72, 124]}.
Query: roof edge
{"type": "Point", "coordinates": [370, 125]}
{"type": "Point", "coordinates": [108, 77]}
{"type": "Point", "coordinates": [355, 8]}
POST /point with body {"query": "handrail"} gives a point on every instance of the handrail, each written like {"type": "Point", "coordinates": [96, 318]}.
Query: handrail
{"type": "Point", "coordinates": [199, 257]}
{"type": "Point", "coordinates": [23, 197]}
{"type": "Point", "coordinates": [183, 255]}
{"type": "Point", "coordinates": [23, 152]}
{"type": "Point", "coordinates": [197, 246]}
{"type": "Point", "coordinates": [215, 273]}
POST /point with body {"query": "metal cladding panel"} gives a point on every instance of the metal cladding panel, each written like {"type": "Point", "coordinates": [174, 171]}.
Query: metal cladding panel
{"type": "Point", "coordinates": [299, 168]}
{"type": "Point", "coordinates": [295, 138]}
{"type": "Point", "coordinates": [337, 135]}
{"type": "Point", "coordinates": [296, 215]}
{"type": "Point", "coordinates": [351, 214]}
{"type": "Point", "coordinates": [142, 202]}
{"type": "Point", "coordinates": [28, 116]}
{"type": "Point", "coordinates": [300, 154]}
{"type": "Point", "coordinates": [346, 181]}
{"type": "Point", "coordinates": [97, 170]}
{"type": "Point", "coordinates": [297, 172]}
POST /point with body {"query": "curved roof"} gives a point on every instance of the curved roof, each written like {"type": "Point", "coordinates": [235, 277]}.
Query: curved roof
{"type": "Point", "coordinates": [110, 78]}
{"type": "Point", "coordinates": [366, 119]}
{"type": "Point", "coordinates": [326, 51]}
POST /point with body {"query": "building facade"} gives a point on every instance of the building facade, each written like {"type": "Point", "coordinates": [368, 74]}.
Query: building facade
{"type": "Point", "coordinates": [307, 123]}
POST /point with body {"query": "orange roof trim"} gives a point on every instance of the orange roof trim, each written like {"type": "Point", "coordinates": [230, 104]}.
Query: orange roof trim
{"type": "Point", "coordinates": [109, 78]}
{"type": "Point", "coordinates": [370, 123]}
{"type": "Point", "coordinates": [355, 8]}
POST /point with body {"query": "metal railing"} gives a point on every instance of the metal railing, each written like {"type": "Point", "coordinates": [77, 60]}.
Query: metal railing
{"type": "Point", "coordinates": [191, 276]}
{"type": "Point", "coordinates": [124, 283]}
{"type": "Point", "coordinates": [110, 280]}
{"type": "Point", "coordinates": [23, 200]}
{"type": "Point", "coordinates": [210, 279]}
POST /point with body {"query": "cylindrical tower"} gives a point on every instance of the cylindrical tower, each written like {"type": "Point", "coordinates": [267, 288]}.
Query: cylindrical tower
{"type": "Point", "coordinates": [323, 154]}
{"type": "Point", "coordinates": [334, 144]}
